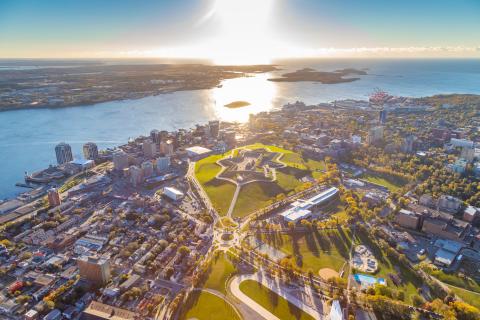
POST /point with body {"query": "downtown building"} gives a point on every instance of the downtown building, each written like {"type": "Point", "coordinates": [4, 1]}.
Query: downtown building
{"type": "Point", "coordinates": [63, 151]}
{"type": "Point", "coordinates": [94, 269]}
{"type": "Point", "coordinates": [90, 151]}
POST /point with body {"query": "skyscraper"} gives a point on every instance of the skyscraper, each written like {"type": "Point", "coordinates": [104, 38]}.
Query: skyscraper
{"type": "Point", "coordinates": [94, 269]}
{"type": "Point", "coordinates": [382, 117]}
{"type": "Point", "coordinates": [214, 127]}
{"type": "Point", "coordinates": [374, 135]}
{"type": "Point", "coordinates": [149, 148]}
{"type": "Point", "coordinates": [155, 136]}
{"type": "Point", "coordinates": [63, 152]}
{"type": "Point", "coordinates": [163, 163]}
{"type": "Point", "coordinates": [90, 151]}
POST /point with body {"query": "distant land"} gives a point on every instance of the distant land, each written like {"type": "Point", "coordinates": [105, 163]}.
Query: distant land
{"type": "Point", "coordinates": [55, 87]}
{"type": "Point", "coordinates": [309, 74]}
{"type": "Point", "coordinates": [237, 104]}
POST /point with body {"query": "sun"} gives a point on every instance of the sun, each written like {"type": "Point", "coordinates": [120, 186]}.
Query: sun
{"type": "Point", "coordinates": [244, 36]}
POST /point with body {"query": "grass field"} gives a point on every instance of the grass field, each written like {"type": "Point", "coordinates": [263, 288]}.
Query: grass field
{"type": "Point", "coordinates": [277, 305]}
{"type": "Point", "coordinates": [204, 305]}
{"type": "Point", "coordinates": [389, 182]}
{"type": "Point", "coordinates": [219, 273]}
{"type": "Point", "coordinates": [255, 195]}
{"type": "Point", "coordinates": [316, 250]}
{"type": "Point", "coordinates": [207, 306]}
{"type": "Point", "coordinates": [467, 296]}
{"type": "Point", "coordinates": [220, 192]}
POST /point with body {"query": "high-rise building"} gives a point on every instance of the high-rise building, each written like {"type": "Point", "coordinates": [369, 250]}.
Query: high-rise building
{"type": "Point", "coordinates": [120, 160]}
{"type": "Point", "coordinates": [382, 117]}
{"type": "Point", "coordinates": [94, 269]}
{"type": "Point", "coordinates": [63, 152]}
{"type": "Point", "coordinates": [54, 198]}
{"type": "Point", "coordinates": [90, 151]}
{"type": "Point", "coordinates": [155, 136]}
{"type": "Point", "coordinates": [375, 134]}
{"type": "Point", "coordinates": [149, 148]}
{"type": "Point", "coordinates": [136, 176]}
{"type": "Point", "coordinates": [407, 146]}
{"type": "Point", "coordinates": [214, 127]}
{"type": "Point", "coordinates": [147, 168]}
{"type": "Point", "coordinates": [163, 163]}
{"type": "Point", "coordinates": [166, 147]}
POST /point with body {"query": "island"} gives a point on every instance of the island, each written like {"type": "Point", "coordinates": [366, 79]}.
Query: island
{"type": "Point", "coordinates": [89, 83]}
{"type": "Point", "coordinates": [237, 104]}
{"type": "Point", "coordinates": [325, 77]}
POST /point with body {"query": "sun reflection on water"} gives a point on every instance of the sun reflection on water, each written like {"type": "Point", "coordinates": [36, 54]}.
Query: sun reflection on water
{"type": "Point", "coordinates": [256, 90]}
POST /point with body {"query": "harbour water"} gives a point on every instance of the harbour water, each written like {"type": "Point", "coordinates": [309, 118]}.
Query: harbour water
{"type": "Point", "coordinates": [28, 137]}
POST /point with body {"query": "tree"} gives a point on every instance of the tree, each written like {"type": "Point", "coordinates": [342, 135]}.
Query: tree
{"type": "Point", "coordinates": [465, 311]}
{"type": "Point", "coordinates": [417, 300]}
{"type": "Point", "coordinates": [184, 250]}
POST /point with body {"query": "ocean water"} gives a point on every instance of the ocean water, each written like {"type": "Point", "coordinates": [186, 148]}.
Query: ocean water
{"type": "Point", "coordinates": [28, 137]}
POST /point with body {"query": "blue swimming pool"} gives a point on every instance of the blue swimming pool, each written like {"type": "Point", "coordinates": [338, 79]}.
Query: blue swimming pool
{"type": "Point", "coordinates": [366, 280]}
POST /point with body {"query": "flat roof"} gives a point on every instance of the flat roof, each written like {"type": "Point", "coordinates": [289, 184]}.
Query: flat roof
{"type": "Point", "coordinates": [198, 150]}
{"type": "Point", "coordinates": [301, 208]}
{"type": "Point", "coordinates": [296, 214]}
{"type": "Point", "coordinates": [173, 190]}
{"type": "Point", "coordinates": [106, 311]}
{"type": "Point", "coordinates": [444, 256]}
{"type": "Point", "coordinates": [10, 205]}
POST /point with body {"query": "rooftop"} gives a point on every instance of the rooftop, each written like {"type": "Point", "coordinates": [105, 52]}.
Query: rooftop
{"type": "Point", "coordinates": [197, 150]}
{"type": "Point", "coordinates": [105, 311]}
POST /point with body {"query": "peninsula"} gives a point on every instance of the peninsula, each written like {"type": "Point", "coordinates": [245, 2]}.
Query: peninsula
{"type": "Point", "coordinates": [77, 85]}
{"type": "Point", "coordinates": [309, 74]}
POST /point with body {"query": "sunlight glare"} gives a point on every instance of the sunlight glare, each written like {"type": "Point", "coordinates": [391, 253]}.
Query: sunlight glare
{"type": "Point", "coordinates": [256, 90]}
{"type": "Point", "coordinates": [245, 34]}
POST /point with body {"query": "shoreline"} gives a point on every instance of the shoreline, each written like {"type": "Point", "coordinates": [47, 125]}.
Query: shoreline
{"type": "Point", "coordinates": [437, 100]}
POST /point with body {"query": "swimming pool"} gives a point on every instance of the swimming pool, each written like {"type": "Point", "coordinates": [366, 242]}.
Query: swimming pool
{"type": "Point", "coordinates": [366, 280]}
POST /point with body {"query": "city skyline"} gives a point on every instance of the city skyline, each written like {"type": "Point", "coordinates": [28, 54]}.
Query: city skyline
{"type": "Point", "coordinates": [239, 32]}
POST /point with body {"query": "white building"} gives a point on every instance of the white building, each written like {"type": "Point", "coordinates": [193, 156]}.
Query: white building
{"type": "Point", "coordinates": [120, 160]}
{"type": "Point", "coordinates": [198, 152]}
{"type": "Point", "coordinates": [163, 163]}
{"type": "Point", "coordinates": [301, 209]}
{"type": "Point", "coordinates": [172, 193]}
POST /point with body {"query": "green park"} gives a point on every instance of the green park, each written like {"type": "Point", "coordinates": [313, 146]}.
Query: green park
{"type": "Point", "coordinates": [261, 185]}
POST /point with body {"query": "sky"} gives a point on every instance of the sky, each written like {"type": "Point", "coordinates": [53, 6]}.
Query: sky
{"type": "Point", "coordinates": [243, 31]}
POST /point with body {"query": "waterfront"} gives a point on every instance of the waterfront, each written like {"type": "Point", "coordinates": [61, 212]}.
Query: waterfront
{"type": "Point", "coordinates": [29, 136]}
